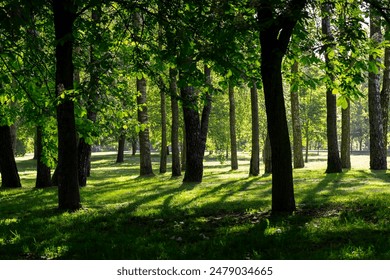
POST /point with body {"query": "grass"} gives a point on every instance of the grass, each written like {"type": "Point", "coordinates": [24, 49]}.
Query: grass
{"type": "Point", "coordinates": [339, 216]}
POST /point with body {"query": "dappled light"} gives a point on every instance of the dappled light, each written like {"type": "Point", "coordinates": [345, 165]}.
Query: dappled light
{"type": "Point", "coordinates": [127, 217]}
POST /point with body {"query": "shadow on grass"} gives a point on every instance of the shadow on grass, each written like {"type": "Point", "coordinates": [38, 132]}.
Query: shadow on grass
{"type": "Point", "coordinates": [225, 219]}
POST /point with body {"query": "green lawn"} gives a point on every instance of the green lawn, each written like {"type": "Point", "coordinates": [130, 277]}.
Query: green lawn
{"type": "Point", "coordinates": [339, 216]}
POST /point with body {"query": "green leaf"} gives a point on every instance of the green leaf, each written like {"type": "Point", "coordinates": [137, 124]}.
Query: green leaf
{"type": "Point", "coordinates": [331, 54]}
{"type": "Point", "coordinates": [342, 102]}
{"type": "Point", "coordinates": [373, 68]}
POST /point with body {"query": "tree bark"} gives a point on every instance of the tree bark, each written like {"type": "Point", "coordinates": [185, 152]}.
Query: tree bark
{"type": "Point", "coordinates": [144, 142]}
{"type": "Point", "coordinates": [334, 162]}
{"type": "Point", "coordinates": [176, 169]}
{"type": "Point", "coordinates": [13, 130]}
{"type": "Point", "coordinates": [232, 121]}
{"type": "Point", "coordinates": [84, 148]}
{"type": "Point", "coordinates": [43, 179]}
{"type": "Point", "coordinates": [267, 156]}
{"type": "Point", "coordinates": [275, 34]}
{"type": "Point", "coordinates": [163, 152]}
{"type": "Point", "coordinates": [184, 151]}
{"type": "Point", "coordinates": [296, 122]}
{"type": "Point", "coordinates": [346, 137]}
{"type": "Point", "coordinates": [378, 159]}
{"type": "Point", "coordinates": [121, 148]}
{"type": "Point", "coordinates": [254, 168]}
{"type": "Point", "coordinates": [385, 94]}
{"type": "Point", "coordinates": [9, 171]}
{"type": "Point", "coordinates": [196, 128]}
{"type": "Point", "coordinates": [68, 187]}
{"type": "Point", "coordinates": [133, 145]}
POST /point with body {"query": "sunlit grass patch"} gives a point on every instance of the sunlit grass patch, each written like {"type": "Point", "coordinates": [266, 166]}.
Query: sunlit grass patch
{"type": "Point", "coordinates": [227, 216]}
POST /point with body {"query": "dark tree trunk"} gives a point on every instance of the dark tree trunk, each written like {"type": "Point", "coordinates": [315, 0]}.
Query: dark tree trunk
{"type": "Point", "coordinates": [184, 151]}
{"type": "Point", "coordinates": [13, 130]}
{"type": "Point", "coordinates": [346, 137]}
{"type": "Point", "coordinates": [176, 169]}
{"type": "Point", "coordinates": [68, 187]}
{"type": "Point", "coordinates": [121, 148]}
{"type": "Point", "coordinates": [84, 148]}
{"type": "Point", "coordinates": [133, 145]}
{"type": "Point", "coordinates": [232, 121]}
{"type": "Point", "coordinates": [296, 122]}
{"type": "Point", "coordinates": [307, 142]}
{"type": "Point", "coordinates": [267, 156]}
{"type": "Point", "coordinates": [254, 168]}
{"type": "Point", "coordinates": [144, 142]}
{"type": "Point", "coordinates": [43, 179]}
{"type": "Point", "coordinates": [196, 128]}
{"type": "Point", "coordinates": [378, 159]}
{"type": "Point", "coordinates": [275, 34]}
{"type": "Point", "coordinates": [163, 153]}
{"type": "Point", "coordinates": [334, 162]}
{"type": "Point", "coordinates": [9, 171]}
{"type": "Point", "coordinates": [35, 148]}
{"type": "Point", "coordinates": [385, 94]}
{"type": "Point", "coordinates": [84, 156]}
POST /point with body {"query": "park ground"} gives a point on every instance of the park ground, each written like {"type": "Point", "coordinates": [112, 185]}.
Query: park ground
{"type": "Point", "coordinates": [227, 216]}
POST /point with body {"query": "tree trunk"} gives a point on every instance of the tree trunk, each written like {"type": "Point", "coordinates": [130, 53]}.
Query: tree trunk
{"type": "Point", "coordinates": [13, 130]}
{"type": "Point", "coordinates": [267, 156]}
{"type": "Point", "coordinates": [68, 187]}
{"type": "Point", "coordinates": [254, 168]}
{"type": "Point", "coordinates": [176, 169]}
{"type": "Point", "coordinates": [196, 128]}
{"type": "Point", "coordinates": [296, 122]}
{"type": "Point", "coordinates": [385, 94]}
{"type": "Point", "coordinates": [84, 148]}
{"type": "Point", "coordinates": [121, 148]}
{"type": "Point", "coordinates": [275, 34]}
{"type": "Point", "coordinates": [334, 162]}
{"type": "Point", "coordinates": [346, 137]}
{"type": "Point", "coordinates": [232, 121]}
{"type": "Point", "coordinates": [307, 142]}
{"type": "Point", "coordinates": [9, 171]}
{"type": "Point", "coordinates": [378, 159]}
{"type": "Point", "coordinates": [133, 145]}
{"type": "Point", "coordinates": [184, 151]}
{"type": "Point", "coordinates": [84, 156]}
{"type": "Point", "coordinates": [163, 153]}
{"type": "Point", "coordinates": [43, 179]}
{"type": "Point", "coordinates": [144, 142]}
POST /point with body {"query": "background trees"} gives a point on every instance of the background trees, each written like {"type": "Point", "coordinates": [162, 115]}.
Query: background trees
{"type": "Point", "coordinates": [105, 53]}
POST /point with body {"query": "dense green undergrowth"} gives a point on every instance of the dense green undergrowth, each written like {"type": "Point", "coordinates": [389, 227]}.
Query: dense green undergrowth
{"type": "Point", "coordinates": [339, 216]}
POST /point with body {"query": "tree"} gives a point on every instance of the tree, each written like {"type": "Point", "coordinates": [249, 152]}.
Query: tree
{"type": "Point", "coordinates": [377, 149]}
{"type": "Point", "coordinates": [232, 126]}
{"type": "Point", "coordinates": [43, 179]}
{"type": "Point", "coordinates": [267, 156]}
{"type": "Point", "coordinates": [346, 136]}
{"type": "Point", "coordinates": [163, 152]}
{"type": "Point", "coordinates": [196, 126]}
{"type": "Point", "coordinates": [254, 168]}
{"type": "Point", "coordinates": [176, 169]}
{"type": "Point", "coordinates": [121, 148]}
{"type": "Point", "coordinates": [275, 33]}
{"type": "Point", "coordinates": [9, 172]}
{"type": "Point", "coordinates": [334, 162]}
{"type": "Point", "coordinates": [296, 122]}
{"type": "Point", "coordinates": [144, 142]}
{"type": "Point", "coordinates": [68, 186]}
{"type": "Point", "coordinates": [84, 143]}
{"type": "Point", "coordinates": [385, 94]}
